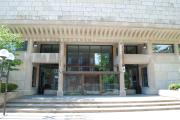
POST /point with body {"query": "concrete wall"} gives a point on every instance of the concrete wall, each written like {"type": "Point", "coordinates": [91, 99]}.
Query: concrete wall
{"type": "Point", "coordinates": [167, 69]}
{"type": "Point", "coordinates": [166, 74]}
{"type": "Point", "coordinates": [139, 11]}
{"type": "Point", "coordinates": [19, 76]}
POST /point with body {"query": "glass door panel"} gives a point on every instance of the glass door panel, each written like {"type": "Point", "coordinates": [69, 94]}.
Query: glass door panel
{"type": "Point", "coordinates": [91, 84]}
{"type": "Point", "coordinates": [48, 77]}
{"type": "Point", "coordinates": [72, 84]}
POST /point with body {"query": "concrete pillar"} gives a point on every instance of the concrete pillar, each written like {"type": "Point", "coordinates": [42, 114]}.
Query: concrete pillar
{"type": "Point", "coordinates": [149, 48]}
{"type": "Point", "coordinates": [29, 67]}
{"type": "Point", "coordinates": [151, 79]}
{"type": "Point", "coordinates": [121, 76]}
{"type": "Point", "coordinates": [151, 89]}
{"type": "Point", "coordinates": [176, 49]}
{"type": "Point", "coordinates": [61, 69]}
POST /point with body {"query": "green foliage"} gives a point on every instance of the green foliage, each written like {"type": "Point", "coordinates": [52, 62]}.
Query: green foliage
{"type": "Point", "coordinates": [11, 42]}
{"type": "Point", "coordinates": [103, 64]}
{"type": "Point", "coordinates": [109, 79]}
{"type": "Point", "coordinates": [8, 40]}
{"type": "Point", "coordinates": [174, 86]}
{"type": "Point", "coordinates": [11, 87]}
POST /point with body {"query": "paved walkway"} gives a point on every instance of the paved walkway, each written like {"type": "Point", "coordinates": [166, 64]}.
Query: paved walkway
{"type": "Point", "coordinates": [152, 115]}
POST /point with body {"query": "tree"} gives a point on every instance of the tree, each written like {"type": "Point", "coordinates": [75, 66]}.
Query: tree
{"type": "Point", "coordinates": [11, 42]}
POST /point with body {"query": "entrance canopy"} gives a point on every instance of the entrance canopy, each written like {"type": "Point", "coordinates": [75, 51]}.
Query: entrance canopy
{"type": "Point", "coordinates": [87, 32]}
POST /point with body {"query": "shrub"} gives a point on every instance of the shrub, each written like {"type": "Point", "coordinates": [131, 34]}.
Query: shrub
{"type": "Point", "coordinates": [11, 87]}
{"type": "Point", "coordinates": [174, 86]}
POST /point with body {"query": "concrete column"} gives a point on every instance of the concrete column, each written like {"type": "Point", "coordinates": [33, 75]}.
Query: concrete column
{"type": "Point", "coordinates": [121, 76]}
{"type": "Point", "coordinates": [151, 89]}
{"type": "Point", "coordinates": [151, 79]}
{"type": "Point", "coordinates": [176, 49]}
{"type": "Point", "coordinates": [149, 48]}
{"type": "Point", "coordinates": [61, 69]}
{"type": "Point", "coordinates": [28, 62]}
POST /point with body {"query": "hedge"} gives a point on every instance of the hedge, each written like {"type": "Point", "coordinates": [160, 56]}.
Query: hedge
{"type": "Point", "coordinates": [11, 87]}
{"type": "Point", "coordinates": [174, 86]}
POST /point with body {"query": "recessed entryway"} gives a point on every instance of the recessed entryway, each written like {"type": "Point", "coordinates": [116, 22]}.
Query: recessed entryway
{"type": "Point", "coordinates": [136, 77]}
{"type": "Point", "coordinates": [48, 79]}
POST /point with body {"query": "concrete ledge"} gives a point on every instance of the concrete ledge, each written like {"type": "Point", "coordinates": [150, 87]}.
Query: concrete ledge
{"type": "Point", "coordinates": [170, 93]}
{"type": "Point", "coordinates": [50, 92]}
{"type": "Point", "coordinates": [10, 95]}
{"type": "Point", "coordinates": [149, 91]}
{"type": "Point", "coordinates": [130, 91]}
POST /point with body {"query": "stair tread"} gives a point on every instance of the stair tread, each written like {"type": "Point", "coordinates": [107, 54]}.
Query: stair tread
{"type": "Point", "coordinates": [85, 109]}
{"type": "Point", "coordinates": [85, 105]}
{"type": "Point", "coordinates": [77, 102]}
{"type": "Point", "coordinates": [93, 105]}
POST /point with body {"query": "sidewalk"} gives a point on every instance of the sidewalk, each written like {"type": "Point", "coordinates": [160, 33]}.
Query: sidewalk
{"type": "Point", "coordinates": [152, 115]}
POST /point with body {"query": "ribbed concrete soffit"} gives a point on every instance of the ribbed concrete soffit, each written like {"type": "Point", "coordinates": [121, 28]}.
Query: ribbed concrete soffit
{"type": "Point", "coordinates": [95, 33]}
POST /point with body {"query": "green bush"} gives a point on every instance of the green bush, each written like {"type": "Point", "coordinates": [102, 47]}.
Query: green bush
{"type": "Point", "coordinates": [11, 87]}
{"type": "Point", "coordinates": [174, 86]}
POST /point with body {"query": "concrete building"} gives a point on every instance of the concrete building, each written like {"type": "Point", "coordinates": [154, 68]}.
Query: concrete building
{"type": "Point", "coordinates": [96, 47]}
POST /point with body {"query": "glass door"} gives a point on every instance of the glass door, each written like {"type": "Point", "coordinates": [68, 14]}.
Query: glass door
{"type": "Point", "coordinates": [91, 85]}
{"type": "Point", "coordinates": [48, 78]}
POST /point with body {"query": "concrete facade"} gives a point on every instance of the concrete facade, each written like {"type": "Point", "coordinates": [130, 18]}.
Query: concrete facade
{"type": "Point", "coordinates": [140, 11]}
{"type": "Point", "coordinates": [102, 22]}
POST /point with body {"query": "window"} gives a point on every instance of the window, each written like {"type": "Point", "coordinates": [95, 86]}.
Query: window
{"type": "Point", "coordinates": [163, 48]}
{"type": "Point", "coordinates": [89, 58]}
{"type": "Point", "coordinates": [49, 48]}
{"type": "Point", "coordinates": [130, 49]}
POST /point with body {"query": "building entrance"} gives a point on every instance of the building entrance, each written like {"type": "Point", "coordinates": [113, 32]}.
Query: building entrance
{"type": "Point", "coordinates": [48, 79]}
{"type": "Point", "coordinates": [91, 84]}
{"type": "Point", "coordinates": [132, 80]}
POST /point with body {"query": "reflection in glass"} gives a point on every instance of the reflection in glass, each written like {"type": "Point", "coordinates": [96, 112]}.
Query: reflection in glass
{"type": "Point", "coordinates": [88, 57]}
{"type": "Point", "coordinates": [163, 48]}
{"type": "Point", "coordinates": [97, 59]}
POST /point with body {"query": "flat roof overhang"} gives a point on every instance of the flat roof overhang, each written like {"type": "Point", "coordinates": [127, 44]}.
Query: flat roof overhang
{"type": "Point", "coordinates": [73, 31]}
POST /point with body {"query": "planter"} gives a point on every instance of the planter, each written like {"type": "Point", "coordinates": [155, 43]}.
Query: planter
{"type": "Point", "coordinates": [50, 92]}
{"type": "Point", "coordinates": [170, 93]}
{"type": "Point", "coordinates": [130, 91]}
{"type": "Point", "coordinates": [92, 92]}
{"type": "Point", "coordinates": [111, 92]}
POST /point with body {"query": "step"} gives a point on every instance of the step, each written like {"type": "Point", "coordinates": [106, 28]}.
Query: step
{"type": "Point", "coordinates": [99, 105]}
{"type": "Point", "coordinates": [84, 102]}
{"type": "Point", "coordinates": [91, 110]}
